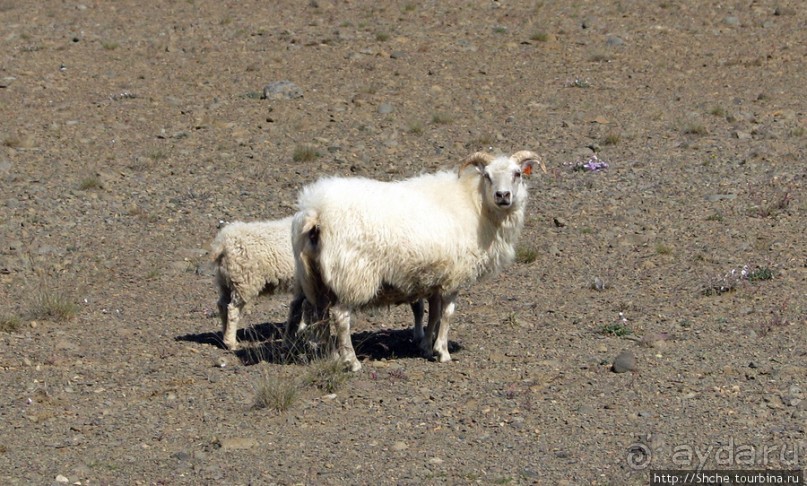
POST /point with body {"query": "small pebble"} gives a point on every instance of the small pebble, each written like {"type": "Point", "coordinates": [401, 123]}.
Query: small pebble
{"type": "Point", "coordinates": [238, 443]}
{"type": "Point", "coordinates": [720, 197]}
{"type": "Point", "coordinates": [400, 446]}
{"type": "Point", "coordinates": [741, 135]}
{"type": "Point", "coordinates": [279, 90]}
{"type": "Point", "coordinates": [624, 362]}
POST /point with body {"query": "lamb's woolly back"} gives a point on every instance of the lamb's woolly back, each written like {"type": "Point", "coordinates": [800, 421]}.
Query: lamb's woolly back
{"type": "Point", "coordinates": [255, 255]}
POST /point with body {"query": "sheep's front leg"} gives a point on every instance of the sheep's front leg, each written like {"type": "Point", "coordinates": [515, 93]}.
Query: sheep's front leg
{"type": "Point", "coordinates": [441, 343]}
{"type": "Point", "coordinates": [341, 316]}
{"type": "Point", "coordinates": [417, 312]}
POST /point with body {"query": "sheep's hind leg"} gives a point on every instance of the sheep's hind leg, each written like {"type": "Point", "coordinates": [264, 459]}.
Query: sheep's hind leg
{"type": "Point", "coordinates": [441, 343]}
{"type": "Point", "coordinates": [296, 320]}
{"type": "Point", "coordinates": [342, 316]}
{"type": "Point", "coordinates": [417, 312]}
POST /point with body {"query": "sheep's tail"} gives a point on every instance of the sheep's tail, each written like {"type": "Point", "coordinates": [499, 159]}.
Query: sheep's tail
{"type": "Point", "coordinates": [306, 245]}
{"type": "Point", "coordinates": [217, 251]}
{"type": "Point", "coordinates": [305, 230]}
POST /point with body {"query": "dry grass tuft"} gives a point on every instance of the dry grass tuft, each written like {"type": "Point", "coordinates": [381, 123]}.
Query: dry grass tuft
{"type": "Point", "coordinates": [328, 374]}
{"type": "Point", "coordinates": [305, 153]}
{"type": "Point", "coordinates": [10, 323]}
{"type": "Point", "coordinates": [276, 393]}
{"type": "Point", "coordinates": [53, 305]}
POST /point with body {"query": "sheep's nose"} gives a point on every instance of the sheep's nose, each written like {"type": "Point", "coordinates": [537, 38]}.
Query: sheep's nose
{"type": "Point", "coordinates": [502, 197]}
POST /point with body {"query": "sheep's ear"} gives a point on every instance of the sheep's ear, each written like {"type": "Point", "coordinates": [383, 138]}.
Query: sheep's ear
{"type": "Point", "coordinates": [526, 160]}
{"type": "Point", "coordinates": [529, 164]}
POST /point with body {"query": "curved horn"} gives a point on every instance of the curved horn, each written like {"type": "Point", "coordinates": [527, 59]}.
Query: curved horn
{"type": "Point", "coordinates": [524, 155]}
{"type": "Point", "coordinates": [477, 159]}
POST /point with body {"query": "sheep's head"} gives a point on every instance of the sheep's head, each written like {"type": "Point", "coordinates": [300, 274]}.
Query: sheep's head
{"type": "Point", "coordinates": [502, 176]}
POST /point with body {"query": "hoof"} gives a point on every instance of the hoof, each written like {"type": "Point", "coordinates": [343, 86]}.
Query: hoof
{"type": "Point", "coordinates": [443, 357]}
{"type": "Point", "coordinates": [353, 365]}
{"type": "Point", "coordinates": [425, 348]}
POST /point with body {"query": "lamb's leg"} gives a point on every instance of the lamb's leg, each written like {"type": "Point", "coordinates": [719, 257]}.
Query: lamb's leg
{"type": "Point", "coordinates": [224, 301]}
{"type": "Point", "coordinates": [441, 343]}
{"type": "Point", "coordinates": [417, 311]}
{"type": "Point", "coordinates": [231, 323]}
{"type": "Point", "coordinates": [427, 339]}
{"type": "Point", "coordinates": [341, 316]}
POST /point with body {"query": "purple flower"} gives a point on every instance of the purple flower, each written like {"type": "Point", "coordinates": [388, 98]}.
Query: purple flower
{"type": "Point", "coordinates": [594, 164]}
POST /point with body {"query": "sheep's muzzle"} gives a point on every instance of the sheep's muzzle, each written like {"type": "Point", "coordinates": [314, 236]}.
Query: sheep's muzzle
{"type": "Point", "coordinates": [503, 199]}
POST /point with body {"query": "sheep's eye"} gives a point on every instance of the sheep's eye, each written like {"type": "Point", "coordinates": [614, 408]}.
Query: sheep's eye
{"type": "Point", "coordinates": [517, 174]}
{"type": "Point", "coordinates": [487, 177]}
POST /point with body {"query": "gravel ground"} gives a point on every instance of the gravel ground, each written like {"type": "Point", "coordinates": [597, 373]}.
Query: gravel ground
{"type": "Point", "coordinates": [654, 319]}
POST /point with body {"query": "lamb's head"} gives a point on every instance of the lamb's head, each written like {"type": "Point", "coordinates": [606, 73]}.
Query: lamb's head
{"type": "Point", "coordinates": [502, 176]}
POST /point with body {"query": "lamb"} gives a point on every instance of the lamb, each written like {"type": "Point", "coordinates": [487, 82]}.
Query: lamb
{"type": "Point", "coordinates": [253, 259]}
{"type": "Point", "coordinates": [361, 243]}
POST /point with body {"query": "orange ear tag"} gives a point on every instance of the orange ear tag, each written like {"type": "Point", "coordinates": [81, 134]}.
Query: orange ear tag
{"type": "Point", "coordinates": [528, 170]}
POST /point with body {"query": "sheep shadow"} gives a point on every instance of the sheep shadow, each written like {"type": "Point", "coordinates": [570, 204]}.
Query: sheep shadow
{"type": "Point", "coordinates": [390, 344]}
{"type": "Point", "coordinates": [264, 343]}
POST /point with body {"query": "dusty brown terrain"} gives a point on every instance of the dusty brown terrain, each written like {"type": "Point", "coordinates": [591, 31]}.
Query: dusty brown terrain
{"type": "Point", "coordinates": [130, 129]}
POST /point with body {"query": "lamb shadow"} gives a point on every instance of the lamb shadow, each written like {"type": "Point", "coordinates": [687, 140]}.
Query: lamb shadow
{"type": "Point", "coordinates": [252, 334]}
{"type": "Point", "coordinates": [390, 344]}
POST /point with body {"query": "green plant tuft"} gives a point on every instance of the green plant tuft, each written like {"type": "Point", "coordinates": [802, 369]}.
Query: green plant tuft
{"type": "Point", "coordinates": [760, 273]}
{"type": "Point", "coordinates": [617, 329]}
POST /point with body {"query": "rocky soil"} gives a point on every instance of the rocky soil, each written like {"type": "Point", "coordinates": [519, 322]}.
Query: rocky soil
{"type": "Point", "coordinates": [655, 317]}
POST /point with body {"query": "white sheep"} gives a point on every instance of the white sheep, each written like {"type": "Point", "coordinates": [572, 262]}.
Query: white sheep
{"type": "Point", "coordinates": [253, 259]}
{"type": "Point", "coordinates": [362, 243]}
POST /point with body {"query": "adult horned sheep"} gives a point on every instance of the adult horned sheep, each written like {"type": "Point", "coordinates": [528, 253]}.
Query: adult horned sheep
{"type": "Point", "coordinates": [364, 243]}
{"type": "Point", "coordinates": [253, 259]}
